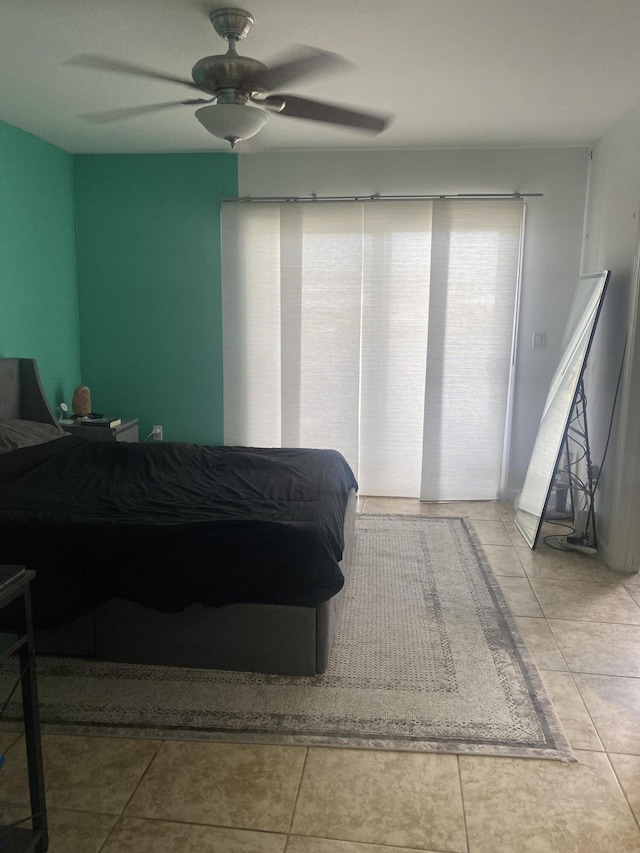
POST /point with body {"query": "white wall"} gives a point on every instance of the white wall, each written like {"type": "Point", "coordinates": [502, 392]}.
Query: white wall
{"type": "Point", "coordinates": [613, 213]}
{"type": "Point", "coordinates": [553, 232]}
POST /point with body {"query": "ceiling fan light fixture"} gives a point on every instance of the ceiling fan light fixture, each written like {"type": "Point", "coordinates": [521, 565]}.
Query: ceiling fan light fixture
{"type": "Point", "coordinates": [232, 122]}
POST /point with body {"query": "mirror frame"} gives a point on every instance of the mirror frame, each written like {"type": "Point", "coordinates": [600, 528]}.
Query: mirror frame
{"type": "Point", "coordinates": [556, 415]}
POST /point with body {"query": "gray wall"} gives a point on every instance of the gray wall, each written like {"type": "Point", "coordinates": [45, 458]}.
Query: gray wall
{"type": "Point", "coordinates": [553, 242]}
{"type": "Point", "coordinates": [613, 213]}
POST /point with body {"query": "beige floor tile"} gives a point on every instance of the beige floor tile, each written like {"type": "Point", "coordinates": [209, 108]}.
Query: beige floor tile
{"type": "Point", "coordinates": [547, 563]}
{"type": "Point", "coordinates": [246, 786]}
{"type": "Point", "coordinates": [541, 643]}
{"type": "Point", "coordinates": [506, 511]}
{"type": "Point", "coordinates": [10, 813]}
{"type": "Point", "coordinates": [614, 706]}
{"type": "Point", "coordinates": [519, 596]}
{"type": "Point", "coordinates": [395, 506]}
{"type": "Point", "coordinates": [476, 510]}
{"type": "Point", "coordinates": [627, 769]}
{"type": "Point", "coordinates": [386, 798]}
{"type": "Point", "coordinates": [503, 560]}
{"type": "Point", "coordinates": [631, 580]}
{"type": "Point", "coordinates": [95, 774]}
{"type": "Point", "coordinates": [7, 739]}
{"type": "Point", "coordinates": [598, 647]}
{"type": "Point", "coordinates": [516, 537]}
{"type": "Point", "coordinates": [491, 532]}
{"type": "Point", "coordinates": [135, 835]}
{"type": "Point", "coordinates": [634, 592]}
{"type": "Point", "coordinates": [571, 710]}
{"type": "Point", "coordinates": [80, 832]}
{"type": "Point", "coordinates": [70, 831]}
{"type": "Point", "coordinates": [298, 844]}
{"type": "Point", "coordinates": [566, 599]}
{"type": "Point", "coordinates": [532, 806]}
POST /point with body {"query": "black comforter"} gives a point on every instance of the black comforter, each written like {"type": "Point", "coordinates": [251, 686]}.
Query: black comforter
{"type": "Point", "coordinates": [167, 525]}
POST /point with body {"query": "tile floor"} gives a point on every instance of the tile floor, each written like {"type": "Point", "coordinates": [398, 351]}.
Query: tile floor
{"type": "Point", "coordinates": [582, 624]}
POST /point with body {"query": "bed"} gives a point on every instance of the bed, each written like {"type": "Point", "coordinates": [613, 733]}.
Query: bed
{"type": "Point", "coordinates": [172, 554]}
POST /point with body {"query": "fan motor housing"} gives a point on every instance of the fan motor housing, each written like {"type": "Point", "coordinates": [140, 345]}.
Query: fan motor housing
{"type": "Point", "coordinates": [226, 71]}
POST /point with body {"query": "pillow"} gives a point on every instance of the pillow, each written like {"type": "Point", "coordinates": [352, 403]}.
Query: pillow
{"type": "Point", "coordinates": [17, 433]}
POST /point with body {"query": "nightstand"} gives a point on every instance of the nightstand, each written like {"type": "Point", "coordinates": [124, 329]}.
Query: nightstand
{"type": "Point", "coordinates": [126, 431]}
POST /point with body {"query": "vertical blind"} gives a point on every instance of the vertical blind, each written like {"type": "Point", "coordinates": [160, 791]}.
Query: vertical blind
{"type": "Point", "coordinates": [473, 301]}
{"type": "Point", "coordinates": [383, 330]}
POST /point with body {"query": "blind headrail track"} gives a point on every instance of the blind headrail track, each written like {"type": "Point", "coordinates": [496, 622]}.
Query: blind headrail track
{"type": "Point", "coordinates": [516, 196]}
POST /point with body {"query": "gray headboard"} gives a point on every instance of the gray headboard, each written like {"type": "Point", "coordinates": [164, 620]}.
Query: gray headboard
{"type": "Point", "coordinates": [21, 394]}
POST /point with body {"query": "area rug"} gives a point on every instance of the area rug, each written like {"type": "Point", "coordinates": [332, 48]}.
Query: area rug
{"type": "Point", "coordinates": [426, 657]}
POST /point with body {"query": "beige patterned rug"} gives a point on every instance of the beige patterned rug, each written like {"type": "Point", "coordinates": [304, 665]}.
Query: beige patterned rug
{"type": "Point", "coordinates": [427, 658]}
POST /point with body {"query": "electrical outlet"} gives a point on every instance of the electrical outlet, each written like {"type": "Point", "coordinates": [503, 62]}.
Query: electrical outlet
{"type": "Point", "coordinates": [156, 432]}
{"type": "Point", "coordinates": [539, 340]}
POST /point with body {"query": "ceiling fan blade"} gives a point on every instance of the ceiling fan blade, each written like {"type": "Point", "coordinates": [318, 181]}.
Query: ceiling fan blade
{"type": "Point", "coordinates": [132, 112]}
{"type": "Point", "coordinates": [103, 63]}
{"type": "Point", "coordinates": [300, 62]}
{"type": "Point", "coordinates": [296, 107]}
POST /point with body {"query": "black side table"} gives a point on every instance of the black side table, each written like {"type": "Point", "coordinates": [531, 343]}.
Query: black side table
{"type": "Point", "coordinates": [15, 583]}
{"type": "Point", "coordinates": [126, 431]}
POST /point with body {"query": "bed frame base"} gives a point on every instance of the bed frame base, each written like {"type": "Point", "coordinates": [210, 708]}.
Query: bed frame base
{"type": "Point", "coordinates": [243, 637]}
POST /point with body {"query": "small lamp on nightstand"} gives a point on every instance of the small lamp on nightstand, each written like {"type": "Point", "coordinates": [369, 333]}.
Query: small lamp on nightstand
{"type": "Point", "coordinates": [81, 402]}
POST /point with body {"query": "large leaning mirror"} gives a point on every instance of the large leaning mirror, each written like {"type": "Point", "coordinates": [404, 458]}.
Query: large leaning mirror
{"type": "Point", "coordinates": [532, 502]}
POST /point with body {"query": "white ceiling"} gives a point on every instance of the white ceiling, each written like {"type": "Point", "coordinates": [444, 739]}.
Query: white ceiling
{"type": "Point", "coordinates": [452, 72]}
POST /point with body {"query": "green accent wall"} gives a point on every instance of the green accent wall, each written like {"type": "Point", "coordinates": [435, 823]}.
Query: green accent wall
{"type": "Point", "coordinates": [148, 246]}
{"type": "Point", "coordinates": [38, 290]}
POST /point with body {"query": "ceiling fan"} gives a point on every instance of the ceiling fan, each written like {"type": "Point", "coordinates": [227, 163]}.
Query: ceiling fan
{"type": "Point", "coordinates": [240, 88]}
